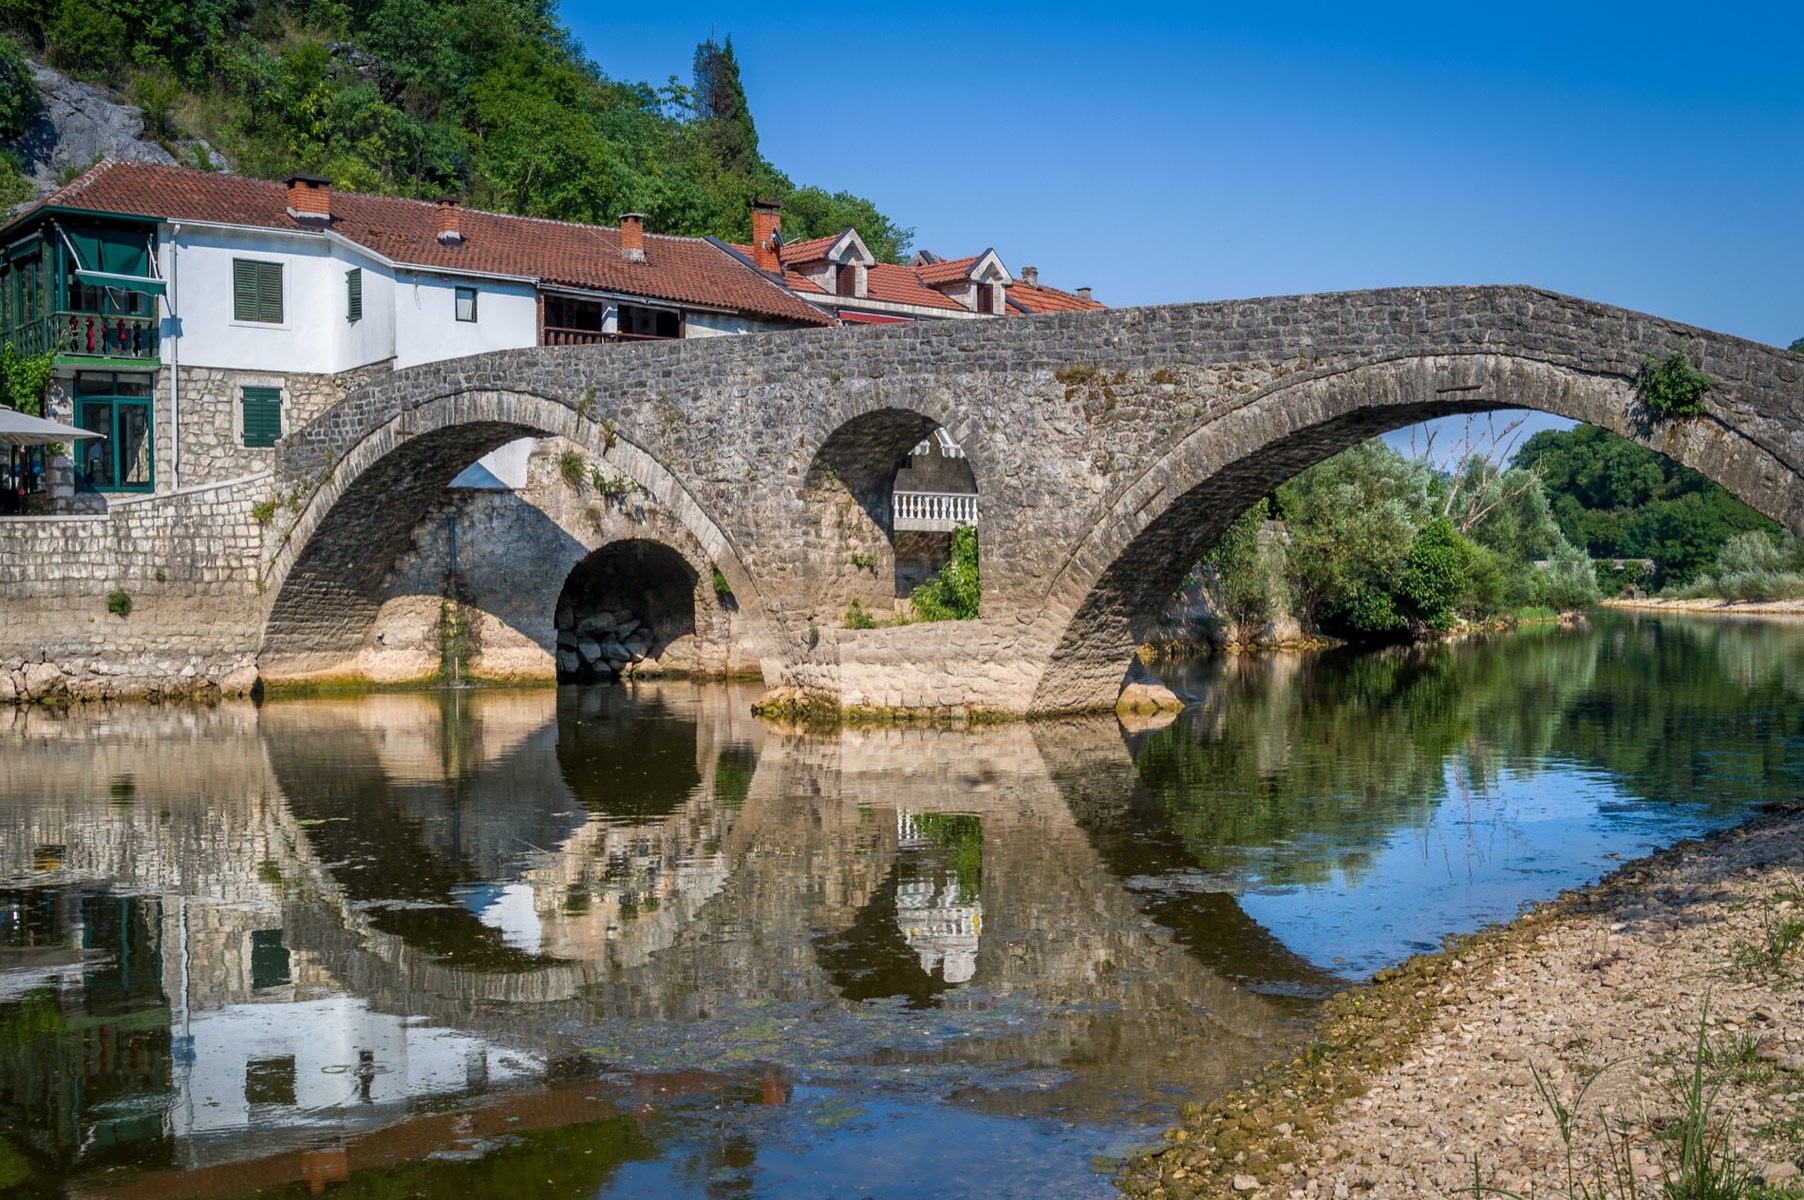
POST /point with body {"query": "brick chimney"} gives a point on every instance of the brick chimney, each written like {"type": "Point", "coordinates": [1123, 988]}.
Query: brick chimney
{"type": "Point", "coordinates": [632, 237]}
{"type": "Point", "coordinates": [767, 221]}
{"type": "Point", "coordinates": [310, 199]}
{"type": "Point", "coordinates": [1030, 276]}
{"type": "Point", "coordinates": [1083, 293]}
{"type": "Point", "coordinates": [450, 221]}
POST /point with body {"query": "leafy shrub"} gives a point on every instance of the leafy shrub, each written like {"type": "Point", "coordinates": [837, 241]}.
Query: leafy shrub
{"type": "Point", "coordinates": [1797, 346]}
{"type": "Point", "coordinates": [1752, 566]}
{"type": "Point", "coordinates": [1570, 581]}
{"type": "Point", "coordinates": [609, 485]}
{"type": "Point", "coordinates": [722, 588]}
{"type": "Point", "coordinates": [23, 378]}
{"type": "Point", "coordinates": [157, 95]}
{"type": "Point", "coordinates": [858, 618]}
{"type": "Point", "coordinates": [85, 35]}
{"type": "Point", "coordinates": [1671, 386]}
{"type": "Point", "coordinates": [18, 90]}
{"type": "Point", "coordinates": [953, 593]}
{"type": "Point", "coordinates": [119, 602]}
{"type": "Point", "coordinates": [572, 468]}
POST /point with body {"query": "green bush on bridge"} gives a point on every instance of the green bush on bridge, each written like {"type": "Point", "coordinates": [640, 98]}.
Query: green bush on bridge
{"type": "Point", "coordinates": [952, 594]}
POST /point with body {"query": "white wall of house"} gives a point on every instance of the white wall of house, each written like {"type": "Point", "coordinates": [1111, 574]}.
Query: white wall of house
{"type": "Point", "coordinates": [708, 324]}
{"type": "Point", "coordinates": [314, 334]}
{"type": "Point", "coordinates": [427, 328]}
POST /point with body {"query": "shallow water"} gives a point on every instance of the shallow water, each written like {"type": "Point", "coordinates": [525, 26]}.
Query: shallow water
{"type": "Point", "coordinates": [610, 942]}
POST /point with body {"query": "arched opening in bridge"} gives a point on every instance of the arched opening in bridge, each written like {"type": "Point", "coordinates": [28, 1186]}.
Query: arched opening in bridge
{"type": "Point", "coordinates": [1448, 563]}
{"type": "Point", "coordinates": [888, 489]}
{"type": "Point", "coordinates": [622, 606]}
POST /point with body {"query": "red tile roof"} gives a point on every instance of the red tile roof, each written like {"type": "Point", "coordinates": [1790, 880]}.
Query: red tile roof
{"type": "Point", "coordinates": [898, 284]}
{"type": "Point", "coordinates": [947, 270]}
{"type": "Point", "coordinates": [812, 250]}
{"type": "Point", "coordinates": [1037, 298]}
{"type": "Point", "coordinates": [677, 269]}
{"type": "Point", "coordinates": [902, 285]}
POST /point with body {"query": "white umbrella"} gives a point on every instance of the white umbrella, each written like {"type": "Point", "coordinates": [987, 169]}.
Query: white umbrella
{"type": "Point", "coordinates": [17, 429]}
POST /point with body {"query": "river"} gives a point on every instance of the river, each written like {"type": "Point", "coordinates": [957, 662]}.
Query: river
{"type": "Point", "coordinates": [600, 942]}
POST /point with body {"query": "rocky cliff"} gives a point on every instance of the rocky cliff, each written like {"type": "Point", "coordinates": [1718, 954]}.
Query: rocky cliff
{"type": "Point", "coordinates": [77, 123]}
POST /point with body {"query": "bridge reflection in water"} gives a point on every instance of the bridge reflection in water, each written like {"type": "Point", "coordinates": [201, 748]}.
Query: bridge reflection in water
{"type": "Point", "coordinates": [237, 940]}
{"type": "Point", "coordinates": [312, 918]}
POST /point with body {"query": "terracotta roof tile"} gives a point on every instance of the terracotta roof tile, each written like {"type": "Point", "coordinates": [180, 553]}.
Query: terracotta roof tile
{"type": "Point", "coordinates": [812, 250]}
{"type": "Point", "coordinates": [947, 270]}
{"type": "Point", "coordinates": [677, 269]}
{"type": "Point", "coordinates": [1036, 298]}
{"type": "Point", "coordinates": [902, 285]}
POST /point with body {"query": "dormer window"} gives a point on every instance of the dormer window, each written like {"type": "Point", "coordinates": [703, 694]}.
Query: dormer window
{"type": "Point", "coordinates": [845, 279]}
{"type": "Point", "coordinates": [989, 298]}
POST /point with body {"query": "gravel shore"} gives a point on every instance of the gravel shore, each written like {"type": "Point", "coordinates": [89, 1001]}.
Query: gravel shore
{"type": "Point", "coordinates": [1431, 1069]}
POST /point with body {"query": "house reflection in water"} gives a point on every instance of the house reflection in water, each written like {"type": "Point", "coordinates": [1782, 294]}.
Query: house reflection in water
{"type": "Point", "coordinates": [939, 907]}
{"type": "Point", "coordinates": [161, 1031]}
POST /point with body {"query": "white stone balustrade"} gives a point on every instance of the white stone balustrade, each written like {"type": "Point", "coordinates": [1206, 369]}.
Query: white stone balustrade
{"type": "Point", "coordinates": [934, 512]}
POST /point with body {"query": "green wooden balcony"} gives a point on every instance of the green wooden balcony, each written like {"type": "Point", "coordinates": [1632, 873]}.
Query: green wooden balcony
{"type": "Point", "coordinates": [91, 336]}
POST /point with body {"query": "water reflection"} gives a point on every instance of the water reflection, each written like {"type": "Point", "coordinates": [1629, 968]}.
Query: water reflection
{"type": "Point", "coordinates": [336, 938]}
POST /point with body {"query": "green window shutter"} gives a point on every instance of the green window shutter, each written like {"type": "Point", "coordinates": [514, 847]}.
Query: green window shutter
{"type": "Point", "coordinates": [354, 294]}
{"type": "Point", "coordinates": [244, 289]}
{"type": "Point", "coordinates": [256, 291]}
{"type": "Point", "coordinates": [269, 292]}
{"type": "Point", "coordinates": [262, 416]}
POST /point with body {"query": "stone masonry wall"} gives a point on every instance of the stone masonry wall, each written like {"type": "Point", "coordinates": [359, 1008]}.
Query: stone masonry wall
{"type": "Point", "coordinates": [212, 404]}
{"type": "Point", "coordinates": [187, 562]}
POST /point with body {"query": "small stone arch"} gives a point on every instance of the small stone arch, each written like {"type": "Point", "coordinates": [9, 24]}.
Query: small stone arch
{"type": "Point", "coordinates": [624, 605]}
{"type": "Point", "coordinates": [1110, 590]}
{"type": "Point", "coordinates": [866, 549]}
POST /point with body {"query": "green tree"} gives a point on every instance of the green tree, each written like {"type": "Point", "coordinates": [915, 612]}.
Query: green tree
{"type": "Point", "coordinates": [1615, 499]}
{"type": "Point", "coordinates": [722, 112]}
{"type": "Point", "coordinates": [1432, 577]}
{"type": "Point", "coordinates": [1797, 346]}
{"type": "Point", "coordinates": [18, 90]}
{"type": "Point", "coordinates": [1248, 586]}
{"type": "Point", "coordinates": [84, 36]}
{"type": "Point", "coordinates": [1351, 521]}
{"type": "Point", "coordinates": [810, 212]}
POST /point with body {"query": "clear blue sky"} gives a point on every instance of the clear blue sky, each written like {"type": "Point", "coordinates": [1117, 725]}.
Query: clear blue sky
{"type": "Point", "coordinates": [1650, 156]}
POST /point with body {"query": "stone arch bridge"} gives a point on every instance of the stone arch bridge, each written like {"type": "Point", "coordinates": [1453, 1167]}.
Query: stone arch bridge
{"type": "Point", "coordinates": [1110, 450]}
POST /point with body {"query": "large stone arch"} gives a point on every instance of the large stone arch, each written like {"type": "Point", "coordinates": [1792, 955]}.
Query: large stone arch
{"type": "Point", "coordinates": [325, 578]}
{"type": "Point", "coordinates": [1106, 595]}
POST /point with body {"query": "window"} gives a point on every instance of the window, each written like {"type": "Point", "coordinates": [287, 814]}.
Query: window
{"type": "Point", "coordinates": [262, 416]}
{"type": "Point", "coordinates": [269, 959]}
{"type": "Point", "coordinates": [632, 321]}
{"type": "Point", "coordinates": [466, 304]}
{"type": "Point", "coordinates": [354, 294]}
{"type": "Point", "coordinates": [845, 280]}
{"type": "Point", "coordinates": [118, 408]}
{"type": "Point", "coordinates": [256, 291]}
{"type": "Point", "coordinates": [270, 1081]}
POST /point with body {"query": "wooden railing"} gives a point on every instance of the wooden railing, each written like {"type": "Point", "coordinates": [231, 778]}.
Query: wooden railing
{"type": "Point", "coordinates": [933, 512]}
{"type": "Point", "coordinates": [555, 336]}
{"type": "Point", "coordinates": [89, 334]}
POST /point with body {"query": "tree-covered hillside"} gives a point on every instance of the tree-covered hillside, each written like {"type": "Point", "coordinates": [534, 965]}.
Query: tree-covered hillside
{"type": "Point", "coordinates": [491, 100]}
{"type": "Point", "coordinates": [1616, 499]}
